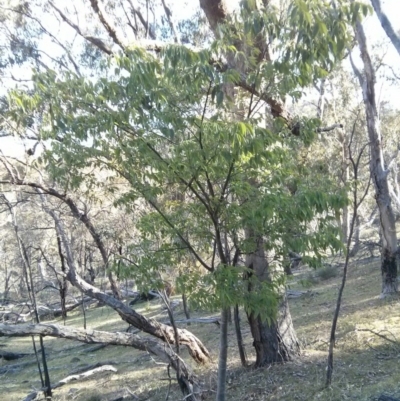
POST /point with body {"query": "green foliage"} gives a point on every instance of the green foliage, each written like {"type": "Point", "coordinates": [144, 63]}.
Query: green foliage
{"type": "Point", "coordinates": [305, 42]}
{"type": "Point", "coordinates": [162, 124]}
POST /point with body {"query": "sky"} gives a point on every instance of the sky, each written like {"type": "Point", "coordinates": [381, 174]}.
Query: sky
{"type": "Point", "coordinates": [376, 37]}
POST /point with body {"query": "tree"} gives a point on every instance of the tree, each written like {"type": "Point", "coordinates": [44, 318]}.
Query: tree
{"type": "Point", "coordinates": [379, 171]}
{"type": "Point", "coordinates": [169, 117]}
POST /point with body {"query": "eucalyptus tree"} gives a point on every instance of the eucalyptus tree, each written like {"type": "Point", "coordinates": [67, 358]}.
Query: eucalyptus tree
{"type": "Point", "coordinates": [379, 169]}
{"type": "Point", "coordinates": [386, 24]}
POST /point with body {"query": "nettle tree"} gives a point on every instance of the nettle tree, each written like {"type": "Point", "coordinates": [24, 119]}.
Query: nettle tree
{"type": "Point", "coordinates": [190, 131]}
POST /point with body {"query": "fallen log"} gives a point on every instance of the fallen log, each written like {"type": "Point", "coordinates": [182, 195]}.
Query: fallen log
{"type": "Point", "coordinates": [90, 367]}
{"type": "Point", "coordinates": [69, 379]}
{"type": "Point", "coordinates": [31, 396]}
{"type": "Point", "coordinates": [200, 320]}
{"type": "Point", "coordinates": [11, 356]}
{"type": "Point", "coordinates": [95, 348]}
{"type": "Point", "coordinates": [150, 345]}
{"type": "Point", "coordinates": [387, 398]}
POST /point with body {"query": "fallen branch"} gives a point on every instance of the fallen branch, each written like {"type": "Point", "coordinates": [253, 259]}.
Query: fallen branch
{"type": "Point", "coordinates": [11, 356]}
{"type": "Point", "coordinates": [69, 379]}
{"type": "Point", "coordinates": [381, 336]}
{"type": "Point", "coordinates": [387, 398]}
{"type": "Point", "coordinates": [83, 369]}
{"type": "Point", "coordinates": [96, 348]}
{"type": "Point", "coordinates": [201, 320]}
{"type": "Point", "coordinates": [150, 345]}
{"type": "Point", "coordinates": [30, 396]}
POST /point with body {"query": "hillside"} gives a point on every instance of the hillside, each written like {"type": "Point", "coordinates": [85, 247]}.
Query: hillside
{"type": "Point", "coordinates": [365, 364]}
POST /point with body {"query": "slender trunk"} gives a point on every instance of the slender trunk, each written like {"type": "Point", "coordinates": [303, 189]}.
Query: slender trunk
{"type": "Point", "coordinates": [47, 391]}
{"type": "Point", "coordinates": [344, 140]}
{"type": "Point", "coordinates": [379, 174]}
{"type": "Point", "coordinates": [239, 338]}
{"type": "Point", "coordinates": [339, 299]}
{"type": "Point", "coordinates": [355, 220]}
{"type": "Point", "coordinates": [185, 307]}
{"type": "Point", "coordinates": [63, 283]}
{"type": "Point", "coordinates": [6, 284]}
{"type": "Point", "coordinates": [223, 356]}
{"type": "Point", "coordinates": [37, 361]}
{"type": "Point", "coordinates": [27, 270]}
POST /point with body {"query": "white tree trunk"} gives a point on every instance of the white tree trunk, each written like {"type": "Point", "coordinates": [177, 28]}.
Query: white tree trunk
{"type": "Point", "coordinates": [386, 25]}
{"type": "Point", "coordinates": [378, 171]}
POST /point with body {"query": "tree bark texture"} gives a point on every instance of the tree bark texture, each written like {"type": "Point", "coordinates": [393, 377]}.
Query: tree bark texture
{"type": "Point", "coordinates": [274, 341]}
{"type": "Point", "coordinates": [389, 256]}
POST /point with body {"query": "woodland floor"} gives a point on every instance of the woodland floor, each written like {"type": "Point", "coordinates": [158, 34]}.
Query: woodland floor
{"type": "Point", "coordinates": [365, 364]}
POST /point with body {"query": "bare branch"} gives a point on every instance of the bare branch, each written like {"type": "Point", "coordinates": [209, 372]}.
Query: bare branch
{"type": "Point", "coordinates": [168, 13]}
{"type": "Point", "coordinates": [136, 12]}
{"type": "Point", "coordinates": [110, 30]}
{"type": "Point", "coordinates": [95, 41]}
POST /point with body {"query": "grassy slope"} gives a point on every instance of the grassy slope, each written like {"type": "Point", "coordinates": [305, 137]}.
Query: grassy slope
{"type": "Point", "coordinates": [365, 364]}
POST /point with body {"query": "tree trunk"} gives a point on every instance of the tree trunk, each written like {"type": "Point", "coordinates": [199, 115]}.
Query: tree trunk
{"type": "Point", "coordinates": [379, 173]}
{"type": "Point", "coordinates": [386, 25]}
{"type": "Point", "coordinates": [239, 338]}
{"type": "Point", "coordinates": [223, 356]}
{"type": "Point", "coordinates": [276, 340]}
{"type": "Point", "coordinates": [62, 283]}
{"type": "Point", "coordinates": [185, 307]}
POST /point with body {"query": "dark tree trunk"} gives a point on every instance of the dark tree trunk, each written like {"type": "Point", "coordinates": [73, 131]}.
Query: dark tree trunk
{"type": "Point", "coordinates": [223, 356]}
{"type": "Point", "coordinates": [62, 283]}
{"type": "Point", "coordinates": [239, 338]}
{"type": "Point", "coordinates": [185, 307]}
{"type": "Point", "coordinates": [389, 272]}
{"type": "Point", "coordinates": [274, 341]}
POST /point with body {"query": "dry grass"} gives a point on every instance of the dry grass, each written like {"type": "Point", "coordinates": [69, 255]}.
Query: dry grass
{"type": "Point", "coordinates": [365, 365]}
